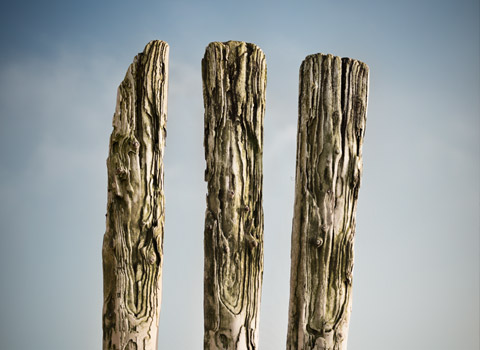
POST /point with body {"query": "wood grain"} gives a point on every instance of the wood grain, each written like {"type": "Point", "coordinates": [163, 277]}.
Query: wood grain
{"type": "Point", "coordinates": [332, 115]}
{"type": "Point", "coordinates": [234, 83]}
{"type": "Point", "coordinates": [133, 241]}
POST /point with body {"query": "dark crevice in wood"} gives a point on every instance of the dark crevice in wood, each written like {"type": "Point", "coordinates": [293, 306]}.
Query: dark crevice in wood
{"type": "Point", "coordinates": [234, 79]}
{"type": "Point", "coordinates": [132, 249]}
{"type": "Point", "coordinates": [332, 114]}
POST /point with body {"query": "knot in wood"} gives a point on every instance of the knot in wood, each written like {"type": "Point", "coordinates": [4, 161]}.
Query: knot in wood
{"type": "Point", "coordinates": [121, 172]}
{"type": "Point", "coordinates": [223, 339]}
{"type": "Point", "coordinates": [151, 258]}
{"type": "Point", "coordinates": [339, 336]}
{"type": "Point", "coordinates": [252, 242]}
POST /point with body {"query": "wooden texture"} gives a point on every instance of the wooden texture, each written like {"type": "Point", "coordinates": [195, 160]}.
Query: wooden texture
{"type": "Point", "coordinates": [133, 242]}
{"type": "Point", "coordinates": [234, 82]}
{"type": "Point", "coordinates": [331, 126]}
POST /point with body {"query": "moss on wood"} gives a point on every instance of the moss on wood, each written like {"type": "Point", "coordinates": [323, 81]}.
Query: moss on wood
{"type": "Point", "coordinates": [331, 126]}
{"type": "Point", "coordinates": [133, 241]}
{"type": "Point", "coordinates": [234, 82]}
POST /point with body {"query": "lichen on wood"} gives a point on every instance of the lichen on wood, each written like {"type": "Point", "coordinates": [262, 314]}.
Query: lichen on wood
{"type": "Point", "coordinates": [133, 241]}
{"type": "Point", "coordinates": [332, 115]}
{"type": "Point", "coordinates": [234, 83]}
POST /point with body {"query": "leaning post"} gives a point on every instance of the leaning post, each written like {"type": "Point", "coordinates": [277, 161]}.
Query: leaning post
{"type": "Point", "coordinates": [332, 115]}
{"type": "Point", "coordinates": [133, 241]}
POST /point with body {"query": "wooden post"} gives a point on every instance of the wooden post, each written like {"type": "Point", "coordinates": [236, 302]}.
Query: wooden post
{"type": "Point", "coordinates": [234, 82]}
{"type": "Point", "coordinates": [133, 242]}
{"type": "Point", "coordinates": [331, 126]}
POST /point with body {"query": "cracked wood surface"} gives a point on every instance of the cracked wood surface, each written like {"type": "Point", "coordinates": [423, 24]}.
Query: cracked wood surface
{"type": "Point", "coordinates": [234, 82]}
{"type": "Point", "coordinates": [133, 242]}
{"type": "Point", "coordinates": [331, 126]}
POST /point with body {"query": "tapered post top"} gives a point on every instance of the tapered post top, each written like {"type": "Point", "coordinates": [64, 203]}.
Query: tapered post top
{"type": "Point", "coordinates": [132, 250]}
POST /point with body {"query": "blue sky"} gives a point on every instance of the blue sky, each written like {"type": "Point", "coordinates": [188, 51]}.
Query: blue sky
{"type": "Point", "coordinates": [416, 278]}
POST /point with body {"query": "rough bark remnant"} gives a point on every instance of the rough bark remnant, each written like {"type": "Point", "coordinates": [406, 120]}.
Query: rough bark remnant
{"type": "Point", "coordinates": [332, 116]}
{"type": "Point", "coordinates": [234, 82]}
{"type": "Point", "coordinates": [133, 242]}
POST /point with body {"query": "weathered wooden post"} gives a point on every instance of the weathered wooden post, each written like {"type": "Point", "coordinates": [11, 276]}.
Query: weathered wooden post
{"type": "Point", "coordinates": [133, 242]}
{"type": "Point", "coordinates": [234, 82]}
{"type": "Point", "coordinates": [332, 115]}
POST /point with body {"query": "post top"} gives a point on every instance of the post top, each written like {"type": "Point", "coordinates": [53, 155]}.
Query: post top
{"type": "Point", "coordinates": [330, 57]}
{"type": "Point", "coordinates": [233, 44]}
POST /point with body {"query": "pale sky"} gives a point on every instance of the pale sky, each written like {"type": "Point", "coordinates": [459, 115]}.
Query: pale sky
{"type": "Point", "coordinates": [417, 268]}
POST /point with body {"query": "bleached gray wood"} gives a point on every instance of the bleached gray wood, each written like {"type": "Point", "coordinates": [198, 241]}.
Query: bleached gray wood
{"type": "Point", "coordinates": [234, 82]}
{"type": "Point", "coordinates": [133, 241]}
{"type": "Point", "coordinates": [331, 126]}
